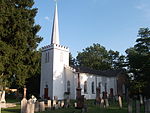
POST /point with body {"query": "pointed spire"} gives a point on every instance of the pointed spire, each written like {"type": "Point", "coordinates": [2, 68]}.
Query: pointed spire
{"type": "Point", "coordinates": [55, 30]}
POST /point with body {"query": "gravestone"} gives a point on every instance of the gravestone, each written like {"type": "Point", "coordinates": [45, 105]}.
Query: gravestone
{"type": "Point", "coordinates": [62, 103]}
{"type": "Point", "coordinates": [111, 93]}
{"type": "Point", "coordinates": [42, 106]}
{"type": "Point", "coordinates": [98, 95]}
{"type": "Point", "coordinates": [106, 102]}
{"type": "Point", "coordinates": [75, 104]}
{"type": "Point", "coordinates": [49, 104]}
{"type": "Point", "coordinates": [37, 106]}
{"type": "Point", "coordinates": [30, 106]}
{"type": "Point", "coordinates": [120, 101]}
{"type": "Point", "coordinates": [54, 103]}
{"type": "Point", "coordinates": [80, 102]}
{"type": "Point", "coordinates": [23, 105]}
{"type": "Point", "coordinates": [141, 99]}
{"type": "Point", "coordinates": [59, 104]}
{"type": "Point", "coordinates": [102, 103]}
{"type": "Point", "coordinates": [137, 106]}
{"type": "Point", "coordinates": [3, 97]}
{"type": "Point", "coordinates": [130, 105]}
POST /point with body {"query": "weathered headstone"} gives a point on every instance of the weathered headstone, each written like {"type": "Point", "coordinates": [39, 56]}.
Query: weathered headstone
{"type": "Point", "coordinates": [141, 99]}
{"type": "Point", "coordinates": [62, 103]}
{"type": "Point", "coordinates": [130, 105]}
{"type": "Point", "coordinates": [49, 104]}
{"type": "Point", "coordinates": [3, 97]}
{"type": "Point", "coordinates": [42, 106]}
{"type": "Point", "coordinates": [98, 95]}
{"type": "Point", "coordinates": [54, 103]}
{"type": "Point", "coordinates": [106, 102]}
{"type": "Point", "coordinates": [75, 104]}
{"type": "Point", "coordinates": [28, 108]}
{"type": "Point", "coordinates": [137, 106]}
{"type": "Point", "coordinates": [102, 103]}
{"type": "Point", "coordinates": [111, 93]}
{"type": "Point", "coordinates": [23, 105]}
{"type": "Point", "coordinates": [32, 107]}
{"type": "Point", "coordinates": [120, 101]}
{"type": "Point", "coordinates": [37, 106]}
{"type": "Point", "coordinates": [59, 104]}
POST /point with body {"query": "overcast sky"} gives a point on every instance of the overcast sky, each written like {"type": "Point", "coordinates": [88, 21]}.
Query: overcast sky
{"type": "Point", "coordinates": [111, 23]}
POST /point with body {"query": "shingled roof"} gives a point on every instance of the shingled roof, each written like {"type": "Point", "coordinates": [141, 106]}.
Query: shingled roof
{"type": "Point", "coordinates": [108, 73]}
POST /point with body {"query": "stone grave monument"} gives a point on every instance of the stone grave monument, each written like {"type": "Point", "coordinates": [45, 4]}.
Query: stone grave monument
{"type": "Point", "coordinates": [79, 98]}
{"type": "Point", "coordinates": [98, 99]}
{"type": "Point", "coordinates": [120, 101]}
{"type": "Point", "coordinates": [42, 106]}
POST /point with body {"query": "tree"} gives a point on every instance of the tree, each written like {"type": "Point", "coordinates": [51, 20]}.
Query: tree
{"type": "Point", "coordinates": [97, 57]}
{"type": "Point", "coordinates": [138, 58]}
{"type": "Point", "coordinates": [72, 61]}
{"type": "Point", "coordinates": [18, 40]}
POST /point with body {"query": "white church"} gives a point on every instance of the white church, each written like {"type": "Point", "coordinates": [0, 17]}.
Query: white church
{"type": "Point", "coordinates": [58, 78]}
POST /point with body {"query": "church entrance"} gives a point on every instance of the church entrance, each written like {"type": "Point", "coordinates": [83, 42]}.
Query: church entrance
{"type": "Point", "coordinates": [46, 93]}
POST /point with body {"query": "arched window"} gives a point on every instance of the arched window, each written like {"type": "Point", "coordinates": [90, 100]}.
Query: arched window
{"type": "Point", "coordinates": [105, 87]}
{"type": "Point", "coordinates": [85, 87]}
{"type": "Point", "coordinates": [99, 85]}
{"type": "Point", "coordinates": [68, 86]}
{"type": "Point", "coordinates": [46, 58]}
{"type": "Point", "coordinates": [92, 87]}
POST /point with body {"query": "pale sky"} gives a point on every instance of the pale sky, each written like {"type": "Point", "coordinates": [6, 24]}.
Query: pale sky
{"type": "Point", "coordinates": [112, 23]}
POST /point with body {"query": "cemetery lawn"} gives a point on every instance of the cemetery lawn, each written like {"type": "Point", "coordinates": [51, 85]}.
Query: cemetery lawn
{"type": "Point", "coordinates": [113, 108]}
{"type": "Point", "coordinates": [91, 109]}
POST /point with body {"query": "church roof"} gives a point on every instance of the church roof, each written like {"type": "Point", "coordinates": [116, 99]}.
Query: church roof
{"type": "Point", "coordinates": [108, 73]}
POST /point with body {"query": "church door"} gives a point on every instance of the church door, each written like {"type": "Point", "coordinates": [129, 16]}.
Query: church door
{"type": "Point", "coordinates": [46, 93]}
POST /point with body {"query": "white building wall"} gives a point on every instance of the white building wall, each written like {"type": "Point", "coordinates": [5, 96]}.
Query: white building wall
{"type": "Point", "coordinates": [70, 75]}
{"type": "Point", "coordinates": [111, 83]}
{"type": "Point", "coordinates": [46, 72]}
{"type": "Point", "coordinates": [60, 59]}
{"type": "Point", "coordinates": [52, 71]}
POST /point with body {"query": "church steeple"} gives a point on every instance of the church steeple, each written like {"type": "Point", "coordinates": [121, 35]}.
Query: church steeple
{"type": "Point", "coordinates": [55, 29]}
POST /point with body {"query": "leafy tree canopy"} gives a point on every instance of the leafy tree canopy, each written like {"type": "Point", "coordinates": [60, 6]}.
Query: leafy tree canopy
{"type": "Point", "coordinates": [97, 57]}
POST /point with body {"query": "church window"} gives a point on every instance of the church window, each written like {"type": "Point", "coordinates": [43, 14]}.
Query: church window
{"type": "Point", "coordinates": [85, 87]}
{"type": "Point", "coordinates": [61, 57]}
{"type": "Point", "coordinates": [68, 86]}
{"type": "Point", "coordinates": [105, 87]}
{"type": "Point", "coordinates": [93, 87]}
{"type": "Point", "coordinates": [99, 85]}
{"type": "Point", "coordinates": [46, 58]}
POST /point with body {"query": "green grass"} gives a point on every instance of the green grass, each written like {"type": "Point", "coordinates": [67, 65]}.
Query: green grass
{"type": "Point", "coordinates": [12, 110]}
{"type": "Point", "coordinates": [113, 108]}
{"type": "Point", "coordinates": [91, 109]}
